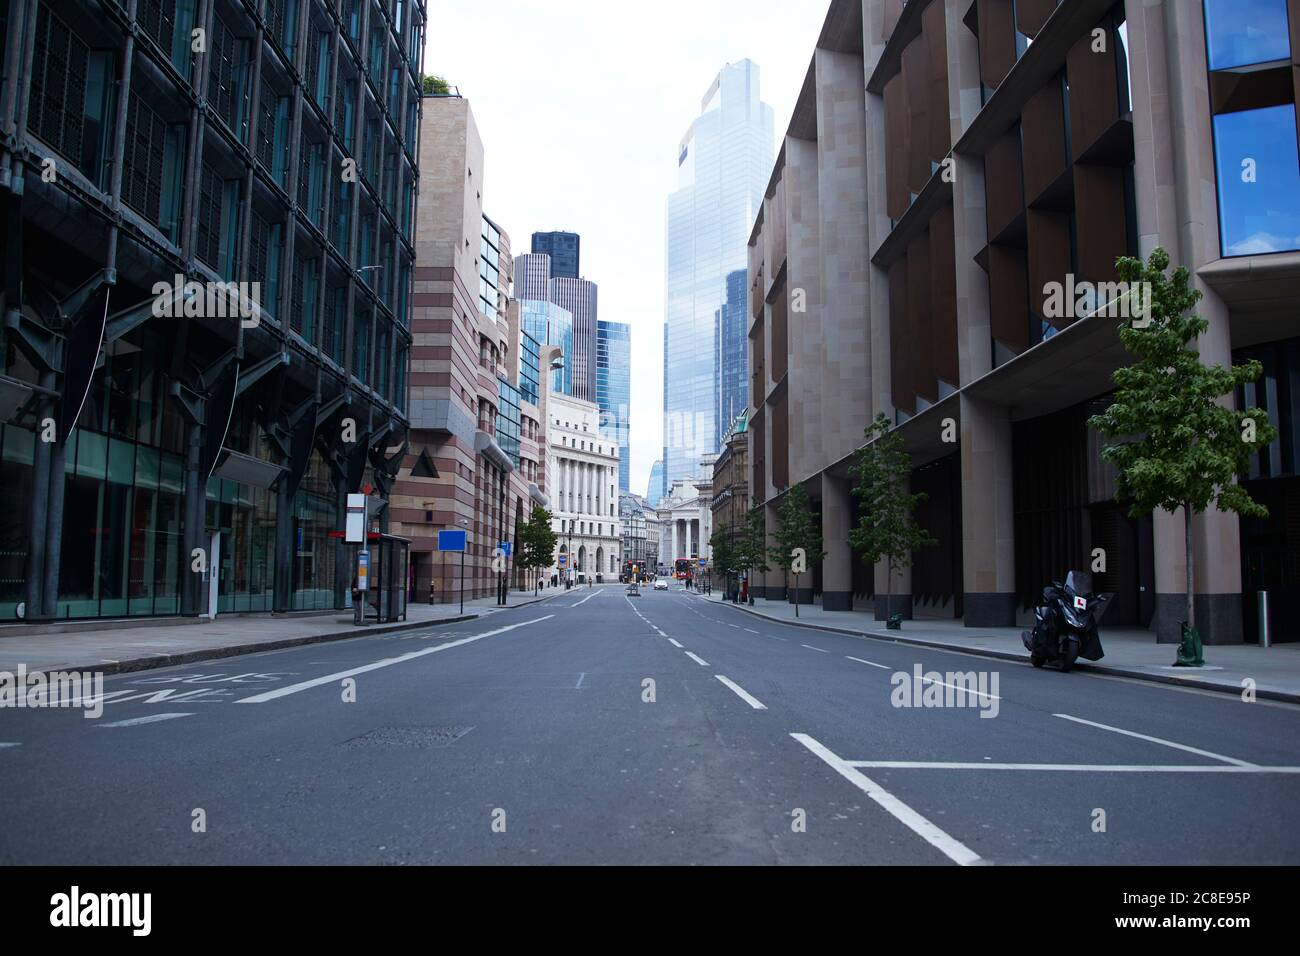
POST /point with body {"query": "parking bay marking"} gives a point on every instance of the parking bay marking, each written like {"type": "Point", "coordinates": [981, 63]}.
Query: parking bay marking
{"type": "Point", "coordinates": [949, 846]}
{"type": "Point", "coordinates": [387, 662]}
{"type": "Point", "coordinates": [1157, 740]}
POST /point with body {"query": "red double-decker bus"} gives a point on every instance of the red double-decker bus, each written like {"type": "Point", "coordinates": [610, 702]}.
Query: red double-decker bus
{"type": "Point", "coordinates": [684, 568]}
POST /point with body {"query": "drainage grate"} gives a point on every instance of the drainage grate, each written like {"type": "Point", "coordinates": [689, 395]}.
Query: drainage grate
{"type": "Point", "coordinates": [409, 737]}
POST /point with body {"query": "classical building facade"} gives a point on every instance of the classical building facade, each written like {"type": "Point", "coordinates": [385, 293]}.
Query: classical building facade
{"type": "Point", "coordinates": [583, 465]}
{"type": "Point", "coordinates": [902, 261]}
{"type": "Point", "coordinates": [147, 417]}
{"type": "Point", "coordinates": [686, 520]}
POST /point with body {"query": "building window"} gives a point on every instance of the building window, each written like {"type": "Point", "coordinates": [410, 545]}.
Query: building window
{"type": "Point", "coordinates": [72, 97]}
{"type": "Point", "coordinates": [1257, 166]}
{"type": "Point", "coordinates": [1259, 181]}
{"type": "Point", "coordinates": [1246, 32]}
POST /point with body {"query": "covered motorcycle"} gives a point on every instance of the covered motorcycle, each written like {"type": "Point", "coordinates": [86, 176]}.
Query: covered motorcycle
{"type": "Point", "coordinates": [1065, 623]}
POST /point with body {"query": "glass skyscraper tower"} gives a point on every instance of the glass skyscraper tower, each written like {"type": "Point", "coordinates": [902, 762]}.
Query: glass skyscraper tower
{"type": "Point", "coordinates": [614, 389]}
{"type": "Point", "coordinates": [723, 163]}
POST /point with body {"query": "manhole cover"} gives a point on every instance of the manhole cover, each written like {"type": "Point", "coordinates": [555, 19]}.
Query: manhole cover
{"type": "Point", "coordinates": [409, 737]}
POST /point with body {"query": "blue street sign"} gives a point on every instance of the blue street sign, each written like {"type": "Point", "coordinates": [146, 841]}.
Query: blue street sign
{"type": "Point", "coordinates": [451, 541]}
{"type": "Point", "coordinates": [505, 547]}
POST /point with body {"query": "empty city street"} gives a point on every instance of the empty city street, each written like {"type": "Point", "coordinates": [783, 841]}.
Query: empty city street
{"type": "Point", "coordinates": [595, 727]}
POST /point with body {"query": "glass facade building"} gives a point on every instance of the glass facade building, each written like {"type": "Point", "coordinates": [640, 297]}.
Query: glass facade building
{"type": "Point", "coordinates": [550, 324]}
{"type": "Point", "coordinates": [565, 250]}
{"type": "Point", "coordinates": [199, 432]}
{"type": "Point", "coordinates": [731, 352]}
{"type": "Point", "coordinates": [1258, 169]}
{"type": "Point", "coordinates": [614, 389]}
{"type": "Point", "coordinates": [724, 162]}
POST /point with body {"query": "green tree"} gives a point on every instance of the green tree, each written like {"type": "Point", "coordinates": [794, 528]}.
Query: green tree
{"type": "Point", "coordinates": [725, 554]}
{"type": "Point", "coordinates": [798, 537]}
{"type": "Point", "coordinates": [751, 543]}
{"type": "Point", "coordinates": [434, 85]}
{"type": "Point", "coordinates": [1181, 447]}
{"type": "Point", "coordinates": [887, 529]}
{"type": "Point", "coordinates": [537, 540]}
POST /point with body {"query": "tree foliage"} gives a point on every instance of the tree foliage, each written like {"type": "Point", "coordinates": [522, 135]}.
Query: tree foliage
{"type": "Point", "coordinates": [887, 529]}
{"type": "Point", "coordinates": [725, 553]}
{"type": "Point", "coordinates": [751, 541]}
{"type": "Point", "coordinates": [537, 540]}
{"type": "Point", "coordinates": [434, 85]}
{"type": "Point", "coordinates": [1180, 445]}
{"type": "Point", "coordinates": [796, 528]}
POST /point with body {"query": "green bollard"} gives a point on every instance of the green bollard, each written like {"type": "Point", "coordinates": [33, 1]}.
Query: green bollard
{"type": "Point", "coordinates": [1190, 651]}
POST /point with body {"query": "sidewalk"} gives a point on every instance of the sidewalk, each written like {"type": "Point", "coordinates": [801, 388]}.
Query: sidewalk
{"type": "Point", "coordinates": [1130, 652]}
{"type": "Point", "coordinates": [114, 649]}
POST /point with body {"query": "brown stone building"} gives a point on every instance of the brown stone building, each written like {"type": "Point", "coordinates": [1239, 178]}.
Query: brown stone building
{"type": "Point", "coordinates": [730, 502]}
{"type": "Point", "coordinates": [477, 454]}
{"type": "Point", "coordinates": [947, 162]}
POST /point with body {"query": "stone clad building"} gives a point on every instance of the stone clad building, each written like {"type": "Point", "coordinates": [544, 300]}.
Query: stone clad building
{"type": "Point", "coordinates": [946, 163]}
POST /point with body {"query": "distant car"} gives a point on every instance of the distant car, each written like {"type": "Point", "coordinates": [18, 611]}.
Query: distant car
{"type": "Point", "coordinates": [661, 585]}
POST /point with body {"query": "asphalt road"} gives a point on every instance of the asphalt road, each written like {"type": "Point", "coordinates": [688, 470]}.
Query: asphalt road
{"type": "Point", "coordinates": [532, 735]}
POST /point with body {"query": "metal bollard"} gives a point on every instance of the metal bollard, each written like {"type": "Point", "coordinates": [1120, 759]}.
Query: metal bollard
{"type": "Point", "coordinates": [1265, 639]}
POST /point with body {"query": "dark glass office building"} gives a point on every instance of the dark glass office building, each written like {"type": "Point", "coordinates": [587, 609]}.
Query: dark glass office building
{"type": "Point", "coordinates": [564, 248]}
{"type": "Point", "coordinates": [731, 355]}
{"type": "Point", "coordinates": [166, 164]}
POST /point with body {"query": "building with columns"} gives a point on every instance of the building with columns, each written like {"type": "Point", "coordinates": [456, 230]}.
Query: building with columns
{"type": "Point", "coordinates": [901, 264]}
{"type": "Point", "coordinates": [582, 465]}
{"type": "Point", "coordinates": [686, 519]}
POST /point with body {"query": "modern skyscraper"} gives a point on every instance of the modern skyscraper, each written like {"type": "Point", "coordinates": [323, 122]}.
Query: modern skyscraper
{"type": "Point", "coordinates": [578, 296]}
{"type": "Point", "coordinates": [533, 276]}
{"type": "Point", "coordinates": [614, 388]}
{"type": "Point", "coordinates": [564, 248]}
{"type": "Point", "coordinates": [723, 165]}
{"type": "Point", "coordinates": [655, 488]}
{"type": "Point", "coordinates": [178, 431]}
{"type": "Point", "coordinates": [731, 347]}
{"type": "Point", "coordinates": [550, 324]}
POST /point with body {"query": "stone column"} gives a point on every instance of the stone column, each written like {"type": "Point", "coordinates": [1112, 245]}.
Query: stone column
{"type": "Point", "coordinates": [837, 566]}
{"type": "Point", "coordinates": [776, 580]}
{"type": "Point", "coordinates": [988, 517]}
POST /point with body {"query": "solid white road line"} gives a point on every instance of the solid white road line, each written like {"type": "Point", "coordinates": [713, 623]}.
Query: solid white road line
{"type": "Point", "coordinates": [1089, 768]}
{"type": "Point", "coordinates": [742, 693]}
{"type": "Point", "coordinates": [953, 849]}
{"type": "Point", "coordinates": [699, 660]}
{"type": "Point", "coordinates": [586, 599]}
{"type": "Point", "coordinates": [3, 744]}
{"type": "Point", "coordinates": [1157, 740]}
{"type": "Point", "coordinates": [869, 663]}
{"type": "Point", "coordinates": [967, 690]}
{"type": "Point", "coordinates": [387, 662]}
{"type": "Point", "coordinates": [811, 648]}
{"type": "Point", "coordinates": [673, 643]}
{"type": "Point", "coordinates": [151, 719]}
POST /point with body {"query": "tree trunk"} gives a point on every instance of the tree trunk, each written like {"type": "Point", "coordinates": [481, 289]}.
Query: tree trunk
{"type": "Point", "coordinates": [1191, 577]}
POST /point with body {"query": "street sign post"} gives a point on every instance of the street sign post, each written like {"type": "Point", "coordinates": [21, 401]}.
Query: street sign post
{"type": "Point", "coordinates": [455, 541]}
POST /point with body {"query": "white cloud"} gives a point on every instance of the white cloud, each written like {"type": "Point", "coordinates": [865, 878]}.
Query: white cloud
{"type": "Point", "coordinates": [581, 105]}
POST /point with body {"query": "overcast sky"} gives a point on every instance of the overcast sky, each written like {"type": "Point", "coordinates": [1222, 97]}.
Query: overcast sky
{"type": "Point", "coordinates": [581, 105]}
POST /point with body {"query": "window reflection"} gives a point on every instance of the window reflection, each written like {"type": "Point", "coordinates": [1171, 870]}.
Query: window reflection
{"type": "Point", "coordinates": [1259, 181]}
{"type": "Point", "coordinates": [1241, 32]}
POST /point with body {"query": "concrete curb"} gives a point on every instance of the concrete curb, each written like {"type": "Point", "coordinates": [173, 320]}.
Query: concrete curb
{"type": "Point", "coordinates": [1261, 693]}
{"type": "Point", "coordinates": [234, 650]}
